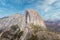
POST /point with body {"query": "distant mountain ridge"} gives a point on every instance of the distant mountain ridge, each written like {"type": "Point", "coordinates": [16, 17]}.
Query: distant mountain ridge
{"type": "Point", "coordinates": [53, 25]}
{"type": "Point", "coordinates": [55, 22]}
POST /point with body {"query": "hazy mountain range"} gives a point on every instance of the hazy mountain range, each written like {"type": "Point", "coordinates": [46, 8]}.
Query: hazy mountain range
{"type": "Point", "coordinates": [53, 25]}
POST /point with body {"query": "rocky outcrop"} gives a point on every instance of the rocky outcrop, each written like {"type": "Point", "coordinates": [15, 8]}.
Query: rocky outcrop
{"type": "Point", "coordinates": [24, 22]}
{"type": "Point", "coordinates": [28, 26]}
{"type": "Point", "coordinates": [34, 18]}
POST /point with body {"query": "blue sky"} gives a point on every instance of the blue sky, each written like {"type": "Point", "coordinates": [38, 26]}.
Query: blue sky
{"type": "Point", "coordinates": [48, 9]}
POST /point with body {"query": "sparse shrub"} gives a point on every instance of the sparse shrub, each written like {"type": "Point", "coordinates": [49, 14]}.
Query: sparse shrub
{"type": "Point", "coordinates": [14, 27]}
{"type": "Point", "coordinates": [12, 35]}
{"type": "Point", "coordinates": [36, 28]}
{"type": "Point", "coordinates": [45, 35]}
{"type": "Point", "coordinates": [37, 34]}
{"type": "Point", "coordinates": [33, 37]}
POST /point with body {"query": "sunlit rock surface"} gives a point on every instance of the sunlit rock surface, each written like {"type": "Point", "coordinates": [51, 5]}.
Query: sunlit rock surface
{"type": "Point", "coordinates": [28, 26]}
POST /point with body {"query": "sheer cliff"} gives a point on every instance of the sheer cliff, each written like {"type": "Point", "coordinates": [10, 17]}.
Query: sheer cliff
{"type": "Point", "coordinates": [29, 26]}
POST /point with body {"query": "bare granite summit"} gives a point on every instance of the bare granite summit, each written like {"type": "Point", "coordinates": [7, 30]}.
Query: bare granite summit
{"type": "Point", "coordinates": [34, 18]}
{"type": "Point", "coordinates": [24, 22]}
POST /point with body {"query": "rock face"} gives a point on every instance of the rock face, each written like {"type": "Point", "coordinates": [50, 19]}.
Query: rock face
{"type": "Point", "coordinates": [34, 18]}
{"type": "Point", "coordinates": [23, 22]}
{"type": "Point", "coordinates": [29, 17]}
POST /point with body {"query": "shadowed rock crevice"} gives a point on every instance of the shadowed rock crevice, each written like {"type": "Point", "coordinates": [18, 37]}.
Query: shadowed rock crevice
{"type": "Point", "coordinates": [27, 17]}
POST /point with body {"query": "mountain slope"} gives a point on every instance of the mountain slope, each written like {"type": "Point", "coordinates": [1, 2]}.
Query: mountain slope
{"type": "Point", "coordinates": [28, 26]}
{"type": "Point", "coordinates": [32, 32]}
{"type": "Point", "coordinates": [23, 22]}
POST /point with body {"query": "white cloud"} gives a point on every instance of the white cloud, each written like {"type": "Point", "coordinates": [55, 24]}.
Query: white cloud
{"type": "Point", "coordinates": [46, 5]}
{"type": "Point", "coordinates": [50, 1]}
{"type": "Point", "coordinates": [47, 9]}
{"type": "Point", "coordinates": [53, 16]}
